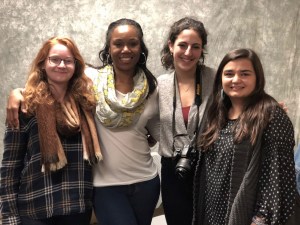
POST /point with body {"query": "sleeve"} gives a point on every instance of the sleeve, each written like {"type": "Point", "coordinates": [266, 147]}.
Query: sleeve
{"type": "Point", "coordinates": [11, 169]}
{"type": "Point", "coordinates": [153, 125]}
{"type": "Point", "coordinates": [277, 185]}
{"type": "Point", "coordinates": [297, 167]}
{"type": "Point", "coordinates": [11, 220]}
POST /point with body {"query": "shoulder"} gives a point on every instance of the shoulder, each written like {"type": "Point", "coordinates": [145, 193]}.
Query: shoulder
{"type": "Point", "coordinates": [164, 77]}
{"type": "Point", "coordinates": [279, 115]}
{"type": "Point", "coordinates": [280, 126]}
{"type": "Point", "coordinates": [208, 77]}
{"type": "Point", "coordinates": [165, 81]}
{"type": "Point", "coordinates": [209, 71]}
{"type": "Point", "coordinates": [26, 120]}
{"type": "Point", "coordinates": [154, 94]}
{"type": "Point", "coordinates": [28, 124]}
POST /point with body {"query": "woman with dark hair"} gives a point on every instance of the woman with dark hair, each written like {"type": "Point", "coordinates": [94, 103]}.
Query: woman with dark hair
{"type": "Point", "coordinates": [46, 172]}
{"type": "Point", "coordinates": [183, 98]}
{"type": "Point", "coordinates": [246, 172]}
{"type": "Point", "coordinates": [126, 182]}
{"type": "Point", "coordinates": [107, 59]}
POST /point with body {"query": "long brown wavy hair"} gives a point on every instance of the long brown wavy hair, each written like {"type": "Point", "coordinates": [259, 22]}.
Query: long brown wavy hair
{"type": "Point", "coordinates": [37, 88]}
{"type": "Point", "coordinates": [257, 111]}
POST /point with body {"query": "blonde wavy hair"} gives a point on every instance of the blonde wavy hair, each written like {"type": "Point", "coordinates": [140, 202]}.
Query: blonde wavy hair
{"type": "Point", "coordinates": [37, 90]}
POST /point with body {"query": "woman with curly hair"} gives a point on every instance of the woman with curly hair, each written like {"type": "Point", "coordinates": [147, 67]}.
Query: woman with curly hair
{"type": "Point", "coordinates": [183, 99]}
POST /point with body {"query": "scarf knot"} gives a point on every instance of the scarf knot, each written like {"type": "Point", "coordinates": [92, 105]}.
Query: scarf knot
{"type": "Point", "coordinates": [65, 119]}
{"type": "Point", "coordinates": [111, 111]}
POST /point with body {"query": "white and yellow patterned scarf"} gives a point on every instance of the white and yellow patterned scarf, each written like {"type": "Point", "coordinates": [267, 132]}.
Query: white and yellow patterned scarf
{"type": "Point", "coordinates": [113, 112]}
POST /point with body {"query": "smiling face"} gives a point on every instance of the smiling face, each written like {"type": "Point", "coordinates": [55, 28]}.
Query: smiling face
{"type": "Point", "coordinates": [186, 50]}
{"type": "Point", "coordinates": [58, 71]}
{"type": "Point", "coordinates": [125, 48]}
{"type": "Point", "coordinates": [238, 79]}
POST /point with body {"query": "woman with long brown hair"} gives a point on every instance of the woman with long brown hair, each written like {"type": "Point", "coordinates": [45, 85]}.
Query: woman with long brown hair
{"type": "Point", "coordinates": [246, 172]}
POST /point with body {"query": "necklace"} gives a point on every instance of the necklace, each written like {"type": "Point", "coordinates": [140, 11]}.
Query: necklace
{"type": "Point", "coordinates": [186, 89]}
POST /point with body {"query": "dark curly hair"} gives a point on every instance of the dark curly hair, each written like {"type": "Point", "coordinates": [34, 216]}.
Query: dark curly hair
{"type": "Point", "coordinates": [186, 23]}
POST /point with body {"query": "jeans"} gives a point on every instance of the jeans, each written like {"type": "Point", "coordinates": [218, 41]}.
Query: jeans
{"type": "Point", "coordinates": [73, 219]}
{"type": "Point", "coordinates": [297, 165]}
{"type": "Point", "coordinates": [177, 195]}
{"type": "Point", "coordinates": [132, 204]}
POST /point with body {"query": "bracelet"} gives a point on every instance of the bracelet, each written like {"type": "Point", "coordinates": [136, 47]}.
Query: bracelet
{"type": "Point", "coordinates": [258, 220]}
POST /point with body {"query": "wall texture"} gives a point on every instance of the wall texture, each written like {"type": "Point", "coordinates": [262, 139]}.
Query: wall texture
{"type": "Point", "coordinates": [272, 28]}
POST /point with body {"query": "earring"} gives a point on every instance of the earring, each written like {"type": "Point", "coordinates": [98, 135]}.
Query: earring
{"type": "Point", "coordinates": [201, 61]}
{"type": "Point", "coordinates": [145, 59]}
{"type": "Point", "coordinates": [223, 95]}
{"type": "Point", "coordinates": [108, 59]}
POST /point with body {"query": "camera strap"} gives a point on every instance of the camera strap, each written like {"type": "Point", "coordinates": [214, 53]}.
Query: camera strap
{"type": "Point", "coordinates": [198, 101]}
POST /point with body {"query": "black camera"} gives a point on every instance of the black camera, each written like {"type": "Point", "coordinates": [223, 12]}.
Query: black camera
{"type": "Point", "coordinates": [186, 159]}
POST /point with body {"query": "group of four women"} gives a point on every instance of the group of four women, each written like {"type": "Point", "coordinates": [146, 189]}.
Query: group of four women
{"type": "Point", "coordinates": [243, 139]}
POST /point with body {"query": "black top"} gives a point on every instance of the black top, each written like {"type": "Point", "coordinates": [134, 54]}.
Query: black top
{"type": "Point", "coordinates": [218, 165]}
{"type": "Point", "coordinates": [235, 186]}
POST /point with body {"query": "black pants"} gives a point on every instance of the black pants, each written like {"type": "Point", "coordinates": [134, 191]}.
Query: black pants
{"type": "Point", "coordinates": [73, 219]}
{"type": "Point", "coordinates": [177, 195]}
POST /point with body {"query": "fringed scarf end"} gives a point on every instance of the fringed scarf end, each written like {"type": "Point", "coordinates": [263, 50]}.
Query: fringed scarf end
{"type": "Point", "coordinates": [94, 159]}
{"type": "Point", "coordinates": [52, 167]}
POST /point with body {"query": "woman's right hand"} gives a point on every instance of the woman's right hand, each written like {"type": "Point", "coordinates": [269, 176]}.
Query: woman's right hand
{"type": "Point", "coordinates": [15, 100]}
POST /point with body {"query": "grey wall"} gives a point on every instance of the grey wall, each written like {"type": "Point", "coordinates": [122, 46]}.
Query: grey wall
{"type": "Point", "coordinates": [272, 28]}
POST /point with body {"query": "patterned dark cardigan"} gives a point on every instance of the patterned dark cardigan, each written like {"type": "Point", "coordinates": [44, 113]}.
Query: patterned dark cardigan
{"type": "Point", "coordinates": [246, 169]}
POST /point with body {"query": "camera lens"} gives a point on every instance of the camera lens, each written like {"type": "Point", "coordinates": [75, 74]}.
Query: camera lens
{"type": "Point", "coordinates": [183, 168]}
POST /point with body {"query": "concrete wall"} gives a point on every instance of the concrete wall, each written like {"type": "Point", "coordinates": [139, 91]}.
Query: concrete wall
{"type": "Point", "coordinates": [272, 28]}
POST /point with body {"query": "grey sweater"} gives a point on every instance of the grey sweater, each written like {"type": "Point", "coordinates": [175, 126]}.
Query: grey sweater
{"type": "Point", "coordinates": [166, 90]}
